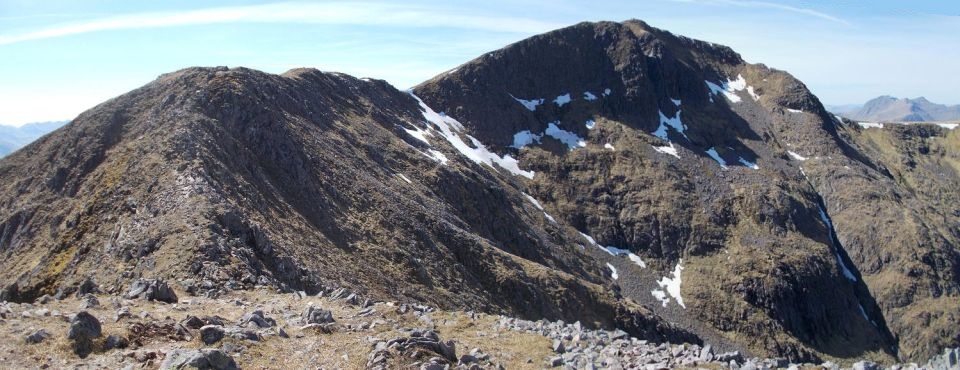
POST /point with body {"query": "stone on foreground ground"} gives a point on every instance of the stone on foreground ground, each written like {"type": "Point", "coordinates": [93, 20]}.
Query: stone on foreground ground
{"type": "Point", "coordinates": [261, 329]}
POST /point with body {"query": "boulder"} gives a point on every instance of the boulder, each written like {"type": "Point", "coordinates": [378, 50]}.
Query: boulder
{"type": "Point", "coordinates": [192, 322]}
{"type": "Point", "coordinates": [89, 301]}
{"type": "Point", "coordinates": [213, 359]}
{"type": "Point", "coordinates": [317, 315]}
{"type": "Point", "coordinates": [122, 312]}
{"type": "Point", "coordinates": [467, 359]}
{"type": "Point", "coordinates": [558, 346]}
{"type": "Point", "coordinates": [257, 319]}
{"type": "Point", "coordinates": [706, 353]}
{"type": "Point", "coordinates": [211, 334]}
{"type": "Point", "coordinates": [866, 365]}
{"type": "Point", "coordinates": [116, 342]}
{"type": "Point", "coordinates": [449, 350]}
{"type": "Point", "coordinates": [830, 365]}
{"type": "Point", "coordinates": [84, 329]}
{"type": "Point", "coordinates": [37, 336]}
{"type": "Point", "coordinates": [948, 360]}
{"type": "Point", "coordinates": [10, 293]}
{"type": "Point", "coordinates": [153, 290]}
{"type": "Point", "coordinates": [619, 334]}
{"type": "Point", "coordinates": [729, 356]}
{"type": "Point", "coordinates": [243, 334]}
{"type": "Point", "coordinates": [555, 361]}
{"type": "Point", "coordinates": [87, 286]}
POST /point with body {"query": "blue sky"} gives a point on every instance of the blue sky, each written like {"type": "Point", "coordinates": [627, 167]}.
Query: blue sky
{"type": "Point", "coordinates": [58, 57]}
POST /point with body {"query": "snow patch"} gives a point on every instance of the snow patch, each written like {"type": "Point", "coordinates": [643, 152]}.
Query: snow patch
{"type": "Point", "coordinates": [572, 140]}
{"type": "Point", "coordinates": [591, 124]}
{"type": "Point", "coordinates": [589, 96]}
{"type": "Point", "coordinates": [540, 207]}
{"type": "Point", "coordinates": [617, 252]}
{"type": "Point", "coordinates": [863, 312]}
{"type": "Point", "coordinates": [613, 271]}
{"type": "Point", "coordinates": [527, 137]}
{"type": "Point", "coordinates": [549, 217]}
{"type": "Point", "coordinates": [419, 134]}
{"type": "Point", "coordinates": [404, 178]}
{"type": "Point", "coordinates": [948, 126]}
{"type": "Point", "coordinates": [673, 122]}
{"type": "Point", "coordinates": [524, 138]}
{"type": "Point", "coordinates": [609, 146]}
{"type": "Point", "coordinates": [449, 128]}
{"type": "Point", "coordinates": [870, 125]}
{"type": "Point", "coordinates": [794, 110]}
{"type": "Point", "coordinates": [531, 105]}
{"type": "Point", "coordinates": [533, 201]}
{"type": "Point", "coordinates": [833, 236]}
{"type": "Point", "coordinates": [661, 132]}
{"type": "Point", "coordinates": [676, 102]}
{"type": "Point", "coordinates": [636, 259]}
{"type": "Point", "coordinates": [660, 296]}
{"type": "Point", "coordinates": [865, 316]}
{"type": "Point", "coordinates": [748, 163]}
{"type": "Point", "coordinates": [738, 84]}
{"type": "Point", "coordinates": [589, 239]}
{"type": "Point", "coordinates": [730, 89]}
{"type": "Point", "coordinates": [438, 156]}
{"type": "Point", "coordinates": [712, 152]}
{"type": "Point", "coordinates": [670, 286]}
{"type": "Point", "coordinates": [562, 99]}
{"type": "Point", "coordinates": [669, 149]}
{"type": "Point", "coordinates": [606, 92]}
{"type": "Point", "coordinates": [796, 156]}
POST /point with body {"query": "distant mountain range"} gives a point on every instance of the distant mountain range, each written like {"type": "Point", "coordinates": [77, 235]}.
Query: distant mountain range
{"type": "Point", "coordinates": [13, 138]}
{"type": "Point", "coordinates": [891, 109]}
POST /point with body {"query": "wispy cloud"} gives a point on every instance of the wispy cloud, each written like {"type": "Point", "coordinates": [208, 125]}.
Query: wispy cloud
{"type": "Point", "coordinates": [352, 13]}
{"type": "Point", "coordinates": [769, 5]}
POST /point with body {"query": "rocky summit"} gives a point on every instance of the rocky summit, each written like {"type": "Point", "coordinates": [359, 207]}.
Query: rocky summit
{"type": "Point", "coordinates": [679, 206]}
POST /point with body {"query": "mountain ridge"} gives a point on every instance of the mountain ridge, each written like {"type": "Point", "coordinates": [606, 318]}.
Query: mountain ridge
{"type": "Point", "coordinates": [260, 179]}
{"type": "Point", "coordinates": [609, 173]}
{"type": "Point", "coordinates": [891, 109]}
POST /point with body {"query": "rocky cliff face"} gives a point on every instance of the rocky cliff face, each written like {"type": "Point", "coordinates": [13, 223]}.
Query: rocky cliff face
{"type": "Point", "coordinates": [728, 180]}
{"type": "Point", "coordinates": [904, 230]}
{"type": "Point", "coordinates": [611, 173]}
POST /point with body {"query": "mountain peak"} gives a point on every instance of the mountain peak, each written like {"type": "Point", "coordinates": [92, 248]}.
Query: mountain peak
{"type": "Point", "coordinates": [891, 109]}
{"type": "Point", "coordinates": [612, 174]}
{"type": "Point", "coordinates": [615, 117]}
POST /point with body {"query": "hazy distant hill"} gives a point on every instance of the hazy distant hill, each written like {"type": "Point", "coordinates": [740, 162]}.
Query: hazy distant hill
{"type": "Point", "coordinates": [13, 138]}
{"type": "Point", "coordinates": [843, 108]}
{"type": "Point", "coordinates": [888, 108]}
